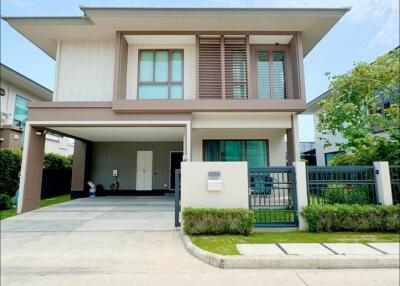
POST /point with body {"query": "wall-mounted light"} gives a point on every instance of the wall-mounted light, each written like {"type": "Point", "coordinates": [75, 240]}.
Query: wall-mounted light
{"type": "Point", "coordinates": [2, 92]}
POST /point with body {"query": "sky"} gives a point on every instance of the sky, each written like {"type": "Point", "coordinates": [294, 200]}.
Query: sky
{"type": "Point", "coordinates": [370, 29]}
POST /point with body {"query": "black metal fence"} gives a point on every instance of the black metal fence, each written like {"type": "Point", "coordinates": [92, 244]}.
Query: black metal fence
{"type": "Point", "coordinates": [272, 196]}
{"type": "Point", "coordinates": [177, 197]}
{"type": "Point", "coordinates": [56, 182]}
{"type": "Point", "coordinates": [395, 180]}
{"type": "Point", "coordinates": [341, 185]}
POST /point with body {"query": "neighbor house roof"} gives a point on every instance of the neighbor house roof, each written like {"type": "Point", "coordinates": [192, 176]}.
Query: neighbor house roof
{"type": "Point", "coordinates": [99, 23]}
{"type": "Point", "coordinates": [313, 105]}
{"type": "Point", "coordinates": [25, 83]}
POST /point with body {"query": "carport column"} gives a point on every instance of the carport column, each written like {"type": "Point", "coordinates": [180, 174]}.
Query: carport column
{"type": "Point", "coordinates": [383, 183]}
{"type": "Point", "coordinates": [80, 167]}
{"type": "Point", "coordinates": [293, 145]}
{"type": "Point", "coordinates": [301, 191]}
{"type": "Point", "coordinates": [30, 185]}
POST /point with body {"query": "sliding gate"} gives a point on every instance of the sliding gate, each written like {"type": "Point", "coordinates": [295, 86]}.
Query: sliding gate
{"type": "Point", "coordinates": [272, 196]}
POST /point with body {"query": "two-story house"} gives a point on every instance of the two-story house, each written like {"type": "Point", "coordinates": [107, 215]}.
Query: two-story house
{"type": "Point", "coordinates": [16, 91]}
{"type": "Point", "coordinates": [141, 89]}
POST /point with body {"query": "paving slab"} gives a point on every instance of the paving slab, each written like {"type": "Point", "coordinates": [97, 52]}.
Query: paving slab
{"type": "Point", "coordinates": [260, 249]}
{"type": "Point", "coordinates": [352, 249]}
{"type": "Point", "coordinates": [305, 249]}
{"type": "Point", "coordinates": [387, 247]}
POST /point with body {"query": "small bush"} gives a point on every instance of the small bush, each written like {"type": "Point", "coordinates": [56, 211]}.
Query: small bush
{"type": "Point", "coordinates": [352, 218]}
{"type": "Point", "coordinates": [218, 221]}
{"type": "Point", "coordinates": [343, 194]}
{"type": "Point", "coordinates": [5, 202]}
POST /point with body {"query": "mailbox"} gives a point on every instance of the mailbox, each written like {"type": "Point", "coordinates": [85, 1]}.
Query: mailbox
{"type": "Point", "coordinates": [214, 181]}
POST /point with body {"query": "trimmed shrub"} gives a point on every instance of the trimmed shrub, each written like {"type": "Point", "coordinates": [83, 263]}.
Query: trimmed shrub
{"type": "Point", "coordinates": [358, 218]}
{"type": "Point", "coordinates": [10, 164]}
{"type": "Point", "coordinates": [343, 194]}
{"type": "Point", "coordinates": [5, 202]}
{"type": "Point", "coordinates": [218, 221]}
{"type": "Point", "coordinates": [56, 161]}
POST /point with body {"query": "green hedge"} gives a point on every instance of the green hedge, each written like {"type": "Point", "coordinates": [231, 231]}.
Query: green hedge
{"type": "Point", "coordinates": [218, 221]}
{"type": "Point", "coordinates": [352, 218]}
{"type": "Point", "coordinates": [10, 165]}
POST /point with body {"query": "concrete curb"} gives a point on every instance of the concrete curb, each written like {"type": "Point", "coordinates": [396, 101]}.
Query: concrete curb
{"type": "Point", "coordinates": [291, 261]}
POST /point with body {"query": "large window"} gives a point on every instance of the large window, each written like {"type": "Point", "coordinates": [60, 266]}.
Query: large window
{"type": "Point", "coordinates": [160, 74]}
{"type": "Point", "coordinates": [270, 69]}
{"type": "Point", "coordinates": [255, 152]}
{"type": "Point", "coordinates": [21, 111]}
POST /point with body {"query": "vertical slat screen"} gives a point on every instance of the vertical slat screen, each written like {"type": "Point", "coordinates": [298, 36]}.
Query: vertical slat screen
{"type": "Point", "coordinates": [235, 67]}
{"type": "Point", "coordinates": [209, 67]}
{"type": "Point", "coordinates": [222, 67]}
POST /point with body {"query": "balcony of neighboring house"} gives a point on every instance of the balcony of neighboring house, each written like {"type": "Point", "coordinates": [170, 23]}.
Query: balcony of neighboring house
{"type": "Point", "coordinates": [189, 72]}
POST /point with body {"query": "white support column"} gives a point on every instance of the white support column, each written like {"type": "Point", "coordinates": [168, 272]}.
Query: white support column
{"type": "Point", "coordinates": [383, 184]}
{"type": "Point", "coordinates": [301, 191]}
{"type": "Point", "coordinates": [187, 142]}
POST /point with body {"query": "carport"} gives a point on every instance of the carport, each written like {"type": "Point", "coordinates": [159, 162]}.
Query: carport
{"type": "Point", "coordinates": [140, 153]}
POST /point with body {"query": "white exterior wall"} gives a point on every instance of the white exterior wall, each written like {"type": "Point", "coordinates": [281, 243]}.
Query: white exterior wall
{"type": "Point", "coordinates": [194, 184]}
{"type": "Point", "coordinates": [59, 145]}
{"type": "Point", "coordinates": [8, 101]}
{"type": "Point", "coordinates": [189, 68]}
{"type": "Point", "coordinates": [85, 71]}
{"type": "Point", "coordinates": [320, 150]}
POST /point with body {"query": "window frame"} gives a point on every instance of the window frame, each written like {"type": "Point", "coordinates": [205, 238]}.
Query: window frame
{"type": "Point", "coordinates": [221, 140]}
{"type": "Point", "coordinates": [22, 124]}
{"type": "Point", "coordinates": [254, 48]}
{"type": "Point", "coordinates": [169, 83]}
{"type": "Point", "coordinates": [334, 153]}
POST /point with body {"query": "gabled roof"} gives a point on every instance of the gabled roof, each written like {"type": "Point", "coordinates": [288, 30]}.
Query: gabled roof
{"type": "Point", "coordinates": [99, 23]}
{"type": "Point", "coordinates": [25, 83]}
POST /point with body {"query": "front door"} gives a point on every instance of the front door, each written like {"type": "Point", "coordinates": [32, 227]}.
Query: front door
{"type": "Point", "coordinates": [175, 164]}
{"type": "Point", "coordinates": [144, 170]}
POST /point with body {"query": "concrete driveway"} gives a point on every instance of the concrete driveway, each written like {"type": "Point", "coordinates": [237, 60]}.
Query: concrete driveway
{"type": "Point", "coordinates": [131, 241]}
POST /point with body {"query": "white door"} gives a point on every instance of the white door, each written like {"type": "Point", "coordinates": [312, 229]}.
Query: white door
{"type": "Point", "coordinates": [144, 170]}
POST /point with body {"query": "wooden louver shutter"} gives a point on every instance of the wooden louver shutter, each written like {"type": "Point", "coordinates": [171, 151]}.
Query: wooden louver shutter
{"type": "Point", "coordinates": [209, 67]}
{"type": "Point", "coordinates": [235, 58]}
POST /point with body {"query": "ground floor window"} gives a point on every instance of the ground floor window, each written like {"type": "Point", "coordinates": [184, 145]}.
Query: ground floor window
{"type": "Point", "coordinates": [330, 156]}
{"type": "Point", "coordinates": [255, 152]}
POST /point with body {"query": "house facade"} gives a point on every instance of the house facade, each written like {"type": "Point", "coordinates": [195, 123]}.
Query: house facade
{"type": "Point", "coordinates": [16, 92]}
{"type": "Point", "coordinates": [142, 89]}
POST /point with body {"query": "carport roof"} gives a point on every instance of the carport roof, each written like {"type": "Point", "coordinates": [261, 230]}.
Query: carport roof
{"type": "Point", "coordinates": [123, 134]}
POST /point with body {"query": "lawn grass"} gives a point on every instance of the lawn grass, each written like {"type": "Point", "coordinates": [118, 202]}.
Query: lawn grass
{"type": "Point", "coordinates": [226, 244]}
{"type": "Point", "coordinates": [43, 203]}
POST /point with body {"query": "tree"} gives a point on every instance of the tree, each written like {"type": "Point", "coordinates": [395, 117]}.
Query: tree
{"type": "Point", "coordinates": [358, 107]}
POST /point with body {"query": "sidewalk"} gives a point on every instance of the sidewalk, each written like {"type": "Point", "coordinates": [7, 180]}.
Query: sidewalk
{"type": "Point", "coordinates": [303, 256]}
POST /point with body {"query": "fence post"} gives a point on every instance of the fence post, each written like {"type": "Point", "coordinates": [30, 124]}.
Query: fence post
{"type": "Point", "coordinates": [383, 184]}
{"type": "Point", "coordinates": [301, 191]}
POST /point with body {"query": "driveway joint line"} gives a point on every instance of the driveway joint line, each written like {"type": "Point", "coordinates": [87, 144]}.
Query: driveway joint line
{"type": "Point", "coordinates": [330, 249]}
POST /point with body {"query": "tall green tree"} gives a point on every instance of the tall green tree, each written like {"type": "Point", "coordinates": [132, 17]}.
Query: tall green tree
{"type": "Point", "coordinates": [358, 108]}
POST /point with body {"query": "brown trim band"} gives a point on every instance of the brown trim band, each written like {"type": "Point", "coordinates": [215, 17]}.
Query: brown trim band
{"type": "Point", "coordinates": [210, 105]}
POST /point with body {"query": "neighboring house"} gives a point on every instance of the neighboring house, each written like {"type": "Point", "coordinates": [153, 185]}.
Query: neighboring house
{"type": "Point", "coordinates": [325, 155]}
{"type": "Point", "coordinates": [307, 153]}
{"type": "Point", "coordinates": [15, 93]}
{"type": "Point", "coordinates": [144, 88]}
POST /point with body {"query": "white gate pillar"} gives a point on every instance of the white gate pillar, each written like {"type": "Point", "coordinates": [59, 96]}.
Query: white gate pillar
{"type": "Point", "coordinates": [301, 191]}
{"type": "Point", "coordinates": [383, 184]}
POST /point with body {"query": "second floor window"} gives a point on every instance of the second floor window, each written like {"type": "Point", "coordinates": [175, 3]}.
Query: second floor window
{"type": "Point", "coordinates": [160, 74]}
{"type": "Point", "coordinates": [271, 79]}
{"type": "Point", "coordinates": [21, 111]}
